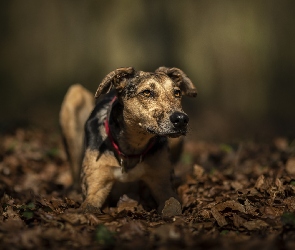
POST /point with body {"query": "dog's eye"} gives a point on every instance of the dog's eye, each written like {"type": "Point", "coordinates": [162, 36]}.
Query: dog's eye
{"type": "Point", "coordinates": [147, 93]}
{"type": "Point", "coordinates": [177, 93]}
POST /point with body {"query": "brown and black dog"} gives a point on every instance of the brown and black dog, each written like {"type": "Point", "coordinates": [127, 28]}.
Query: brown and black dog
{"type": "Point", "coordinates": [126, 134]}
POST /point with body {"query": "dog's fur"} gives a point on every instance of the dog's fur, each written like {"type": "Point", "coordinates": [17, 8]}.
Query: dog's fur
{"type": "Point", "coordinates": [146, 111]}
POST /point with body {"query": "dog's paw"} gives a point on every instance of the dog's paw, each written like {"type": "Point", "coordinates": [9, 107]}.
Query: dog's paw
{"type": "Point", "coordinates": [88, 208]}
{"type": "Point", "coordinates": [171, 208]}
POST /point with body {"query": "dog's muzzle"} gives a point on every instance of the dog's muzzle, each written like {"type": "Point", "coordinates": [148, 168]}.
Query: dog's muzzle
{"type": "Point", "coordinates": [179, 121]}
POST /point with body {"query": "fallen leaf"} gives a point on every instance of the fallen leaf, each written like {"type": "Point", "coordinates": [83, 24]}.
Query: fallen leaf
{"type": "Point", "coordinates": [238, 220]}
{"type": "Point", "coordinates": [255, 225]}
{"type": "Point", "coordinates": [236, 185]}
{"type": "Point", "coordinates": [290, 202]}
{"type": "Point", "coordinates": [132, 229]}
{"type": "Point", "coordinates": [218, 217]}
{"type": "Point", "coordinates": [167, 232]}
{"type": "Point", "coordinates": [230, 204]}
{"type": "Point", "coordinates": [271, 211]}
{"type": "Point", "coordinates": [260, 182]}
{"type": "Point", "coordinates": [172, 208]}
{"type": "Point", "coordinates": [31, 238]}
{"type": "Point", "coordinates": [290, 166]}
{"type": "Point", "coordinates": [125, 203]}
{"type": "Point", "coordinates": [198, 171]}
{"type": "Point", "coordinates": [250, 209]}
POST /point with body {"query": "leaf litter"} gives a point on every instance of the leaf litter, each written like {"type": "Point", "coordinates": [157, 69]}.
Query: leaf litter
{"type": "Point", "coordinates": [232, 196]}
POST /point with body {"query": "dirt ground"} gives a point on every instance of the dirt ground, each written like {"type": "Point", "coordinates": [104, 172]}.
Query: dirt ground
{"type": "Point", "coordinates": [233, 195]}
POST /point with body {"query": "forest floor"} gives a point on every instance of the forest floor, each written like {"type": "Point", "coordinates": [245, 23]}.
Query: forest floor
{"type": "Point", "coordinates": [233, 196]}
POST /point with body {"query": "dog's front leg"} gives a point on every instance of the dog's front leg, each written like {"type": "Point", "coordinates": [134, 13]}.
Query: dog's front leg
{"type": "Point", "coordinates": [164, 195]}
{"type": "Point", "coordinates": [158, 179]}
{"type": "Point", "coordinates": [97, 178]}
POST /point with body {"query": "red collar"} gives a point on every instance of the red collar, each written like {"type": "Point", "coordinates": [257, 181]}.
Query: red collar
{"type": "Point", "coordinates": [121, 155]}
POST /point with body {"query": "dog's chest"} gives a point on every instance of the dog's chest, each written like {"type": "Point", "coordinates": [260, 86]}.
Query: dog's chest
{"type": "Point", "coordinates": [131, 175]}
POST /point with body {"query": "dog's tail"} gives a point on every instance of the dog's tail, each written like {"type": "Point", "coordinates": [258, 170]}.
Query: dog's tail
{"type": "Point", "coordinates": [75, 109]}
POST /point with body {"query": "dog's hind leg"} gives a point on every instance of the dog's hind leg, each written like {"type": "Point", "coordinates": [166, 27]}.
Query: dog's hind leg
{"type": "Point", "coordinates": [75, 109]}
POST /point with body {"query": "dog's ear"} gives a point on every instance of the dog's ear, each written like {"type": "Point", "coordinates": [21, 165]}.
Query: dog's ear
{"type": "Point", "coordinates": [181, 79]}
{"type": "Point", "coordinates": [116, 78]}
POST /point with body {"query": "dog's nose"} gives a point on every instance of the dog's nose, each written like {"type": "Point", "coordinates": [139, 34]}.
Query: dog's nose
{"type": "Point", "coordinates": [179, 120]}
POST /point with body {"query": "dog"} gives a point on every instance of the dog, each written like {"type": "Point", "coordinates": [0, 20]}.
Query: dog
{"type": "Point", "coordinates": [126, 132]}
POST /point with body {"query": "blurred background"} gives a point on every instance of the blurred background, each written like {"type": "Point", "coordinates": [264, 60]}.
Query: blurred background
{"type": "Point", "coordinates": [239, 54]}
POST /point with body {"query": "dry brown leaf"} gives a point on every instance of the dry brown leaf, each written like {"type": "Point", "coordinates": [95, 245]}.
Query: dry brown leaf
{"type": "Point", "coordinates": [172, 208]}
{"type": "Point", "coordinates": [12, 221]}
{"type": "Point", "coordinates": [236, 185]}
{"type": "Point", "coordinates": [238, 220]}
{"type": "Point", "coordinates": [131, 229]}
{"type": "Point", "coordinates": [205, 213]}
{"type": "Point", "coordinates": [198, 171]}
{"type": "Point", "coordinates": [290, 202]}
{"type": "Point", "coordinates": [54, 233]}
{"type": "Point", "coordinates": [166, 232]}
{"type": "Point", "coordinates": [233, 205]}
{"type": "Point", "coordinates": [255, 225]}
{"type": "Point", "coordinates": [230, 204]}
{"type": "Point", "coordinates": [279, 185]}
{"type": "Point", "coordinates": [250, 209]}
{"type": "Point", "coordinates": [74, 218]}
{"type": "Point", "coordinates": [260, 182]}
{"type": "Point", "coordinates": [271, 211]}
{"type": "Point", "coordinates": [30, 238]}
{"type": "Point", "coordinates": [290, 166]}
{"type": "Point", "coordinates": [125, 203]}
{"type": "Point", "coordinates": [218, 217]}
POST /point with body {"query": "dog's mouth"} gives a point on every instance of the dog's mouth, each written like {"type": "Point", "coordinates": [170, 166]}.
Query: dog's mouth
{"type": "Point", "coordinates": [175, 135]}
{"type": "Point", "coordinates": [171, 134]}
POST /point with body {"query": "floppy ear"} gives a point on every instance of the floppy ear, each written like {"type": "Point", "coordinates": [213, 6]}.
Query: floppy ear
{"type": "Point", "coordinates": [116, 78]}
{"type": "Point", "coordinates": [181, 79]}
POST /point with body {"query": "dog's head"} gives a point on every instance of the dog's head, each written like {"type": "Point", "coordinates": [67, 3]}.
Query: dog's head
{"type": "Point", "coordinates": [151, 101]}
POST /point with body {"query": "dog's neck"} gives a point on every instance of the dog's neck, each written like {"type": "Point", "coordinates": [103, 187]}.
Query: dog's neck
{"type": "Point", "coordinates": [132, 140]}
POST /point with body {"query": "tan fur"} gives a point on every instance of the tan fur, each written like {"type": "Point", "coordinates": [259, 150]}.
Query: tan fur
{"type": "Point", "coordinates": [153, 110]}
{"type": "Point", "coordinates": [100, 172]}
{"type": "Point", "coordinates": [141, 119]}
{"type": "Point", "coordinates": [75, 109]}
{"type": "Point", "coordinates": [97, 177]}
